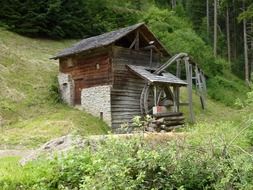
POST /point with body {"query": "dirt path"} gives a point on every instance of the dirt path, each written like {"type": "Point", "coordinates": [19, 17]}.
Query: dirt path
{"type": "Point", "coordinates": [9, 153]}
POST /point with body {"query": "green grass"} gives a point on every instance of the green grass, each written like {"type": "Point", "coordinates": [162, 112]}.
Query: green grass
{"type": "Point", "coordinates": [214, 111]}
{"type": "Point", "coordinates": [60, 120]}
{"type": "Point", "coordinates": [226, 88]}
{"type": "Point", "coordinates": [14, 176]}
{"type": "Point", "coordinates": [28, 115]}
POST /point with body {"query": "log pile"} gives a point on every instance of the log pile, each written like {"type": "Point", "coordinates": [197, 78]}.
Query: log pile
{"type": "Point", "coordinates": [165, 122]}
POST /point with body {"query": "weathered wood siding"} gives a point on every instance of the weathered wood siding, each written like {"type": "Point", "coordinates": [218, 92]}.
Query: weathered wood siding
{"type": "Point", "coordinates": [127, 87]}
{"type": "Point", "coordinates": [86, 72]}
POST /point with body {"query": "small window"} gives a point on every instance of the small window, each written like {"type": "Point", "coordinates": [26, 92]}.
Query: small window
{"type": "Point", "coordinates": [97, 66]}
{"type": "Point", "coordinates": [70, 62]}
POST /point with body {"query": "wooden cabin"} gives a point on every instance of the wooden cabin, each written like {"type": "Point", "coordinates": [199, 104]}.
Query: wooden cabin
{"type": "Point", "coordinates": [113, 76]}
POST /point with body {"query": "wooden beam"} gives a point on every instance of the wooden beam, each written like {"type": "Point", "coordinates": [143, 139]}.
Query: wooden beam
{"type": "Point", "coordinates": [204, 82]}
{"type": "Point", "coordinates": [176, 98]}
{"type": "Point", "coordinates": [132, 44]}
{"type": "Point", "coordinates": [199, 87]}
{"type": "Point", "coordinates": [155, 96]}
{"type": "Point", "coordinates": [198, 83]}
{"type": "Point", "coordinates": [137, 38]}
{"type": "Point", "coordinates": [147, 40]}
{"type": "Point", "coordinates": [178, 74]}
{"type": "Point", "coordinates": [178, 68]}
{"type": "Point", "coordinates": [188, 68]}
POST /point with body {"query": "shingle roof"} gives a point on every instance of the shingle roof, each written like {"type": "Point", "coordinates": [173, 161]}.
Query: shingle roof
{"type": "Point", "coordinates": [153, 78]}
{"type": "Point", "coordinates": [103, 40]}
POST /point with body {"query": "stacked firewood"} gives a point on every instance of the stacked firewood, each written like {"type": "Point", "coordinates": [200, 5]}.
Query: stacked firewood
{"type": "Point", "coordinates": [165, 122]}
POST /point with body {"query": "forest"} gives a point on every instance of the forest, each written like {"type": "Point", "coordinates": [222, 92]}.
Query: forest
{"type": "Point", "coordinates": [224, 25]}
{"type": "Point", "coordinates": [213, 153]}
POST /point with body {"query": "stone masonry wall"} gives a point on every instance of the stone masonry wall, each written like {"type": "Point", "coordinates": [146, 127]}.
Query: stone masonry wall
{"type": "Point", "coordinates": [66, 85]}
{"type": "Point", "coordinates": [97, 101]}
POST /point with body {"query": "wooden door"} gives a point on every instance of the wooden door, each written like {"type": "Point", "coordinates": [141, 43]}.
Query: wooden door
{"type": "Point", "coordinates": [78, 89]}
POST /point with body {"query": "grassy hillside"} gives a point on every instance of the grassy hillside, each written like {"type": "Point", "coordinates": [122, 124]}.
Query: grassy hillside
{"type": "Point", "coordinates": [29, 117]}
{"type": "Point", "coordinates": [28, 114]}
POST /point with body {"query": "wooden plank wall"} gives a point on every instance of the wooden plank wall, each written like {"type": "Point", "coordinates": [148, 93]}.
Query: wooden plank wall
{"type": "Point", "coordinates": [127, 87]}
{"type": "Point", "coordinates": [86, 69]}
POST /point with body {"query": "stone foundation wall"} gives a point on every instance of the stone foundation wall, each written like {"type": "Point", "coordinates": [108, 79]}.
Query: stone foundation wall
{"type": "Point", "coordinates": [97, 101]}
{"type": "Point", "coordinates": [66, 85]}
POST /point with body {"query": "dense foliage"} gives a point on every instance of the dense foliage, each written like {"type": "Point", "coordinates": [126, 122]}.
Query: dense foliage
{"type": "Point", "coordinates": [62, 18]}
{"type": "Point", "coordinates": [175, 31]}
{"type": "Point", "coordinates": [132, 164]}
{"type": "Point", "coordinates": [203, 161]}
{"type": "Point", "coordinates": [181, 27]}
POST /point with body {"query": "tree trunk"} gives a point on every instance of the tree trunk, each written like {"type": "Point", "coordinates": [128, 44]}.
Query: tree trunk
{"type": "Point", "coordinates": [215, 30]}
{"type": "Point", "coordinates": [246, 60]}
{"type": "Point", "coordinates": [234, 45]}
{"type": "Point", "coordinates": [173, 4]}
{"type": "Point", "coordinates": [251, 47]}
{"type": "Point", "coordinates": [228, 36]}
{"type": "Point", "coordinates": [207, 19]}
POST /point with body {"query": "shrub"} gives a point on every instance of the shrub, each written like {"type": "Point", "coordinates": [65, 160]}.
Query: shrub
{"type": "Point", "coordinates": [128, 165]}
{"type": "Point", "coordinates": [132, 164]}
{"type": "Point", "coordinates": [54, 91]}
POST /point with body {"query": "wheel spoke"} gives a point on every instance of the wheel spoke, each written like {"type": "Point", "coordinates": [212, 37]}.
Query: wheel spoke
{"type": "Point", "coordinates": [155, 96]}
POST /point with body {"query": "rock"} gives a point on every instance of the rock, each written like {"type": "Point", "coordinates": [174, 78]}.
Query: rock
{"type": "Point", "coordinates": [150, 129]}
{"type": "Point", "coordinates": [61, 145]}
{"type": "Point", "coordinates": [159, 121]}
{"type": "Point", "coordinates": [58, 145]}
{"type": "Point", "coordinates": [163, 126]}
{"type": "Point", "coordinates": [153, 125]}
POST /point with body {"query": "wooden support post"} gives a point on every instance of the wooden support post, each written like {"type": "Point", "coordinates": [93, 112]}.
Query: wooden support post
{"type": "Point", "coordinates": [203, 78]}
{"type": "Point", "coordinates": [148, 40]}
{"type": "Point", "coordinates": [155, 96]}
{"type": "Point", "coordinates": [178, 88]}
{"type": "Point", "coordinates": [176, 98]}
{"type": "Point", "coordinates": [188, 68]}
{"type": "Point", "coordinates": [137, 43]}
{"type": "Point", "coordinates": [133, 43]}
{"type": "Point", "coordinates": [178, 68]}
{"type": "Point", "coordinates": [145, 98]}
{"type": "Point", "coordinates": [198, 81]}
{"type": "Point", "coordinates": [102, 116]}
{"type": "Point", "coordinates": [151, 58]}
{"type": "Point", "coordinates": [199, 85]}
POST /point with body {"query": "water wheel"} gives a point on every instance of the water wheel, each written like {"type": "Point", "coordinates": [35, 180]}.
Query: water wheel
{"type": "Point", "coordinates": [155, 95]}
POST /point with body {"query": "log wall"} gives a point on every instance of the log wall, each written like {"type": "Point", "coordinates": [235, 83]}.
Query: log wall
{"type": "Point", "coordinates": [86, 72]}
{"type": "Point", "coordinates": [94, 70]}
{"type": "Point", "coordinates": [127, 87]}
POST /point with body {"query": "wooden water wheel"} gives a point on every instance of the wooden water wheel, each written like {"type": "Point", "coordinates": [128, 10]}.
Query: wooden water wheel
{"type": "Point", "coordinates": [156, 95]}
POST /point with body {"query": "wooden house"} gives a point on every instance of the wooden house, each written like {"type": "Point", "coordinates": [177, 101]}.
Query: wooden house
{"type": "Point", "coordinates": [118, 75]}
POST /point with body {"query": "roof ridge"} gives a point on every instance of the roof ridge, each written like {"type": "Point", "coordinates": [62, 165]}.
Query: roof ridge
{"type": "Point", "coordinates": [104, 34]}
{"type": "Point", "coordinates": [101, 40]}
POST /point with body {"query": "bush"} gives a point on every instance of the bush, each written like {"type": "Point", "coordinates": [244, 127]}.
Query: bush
{"type": "Point", "coordinates": [54, 91]}
{"type": "Point", "coordinates": [129, 165]}
{"type": "Point", "coordinates": [205, 162]}
{"type": "Point", "coordinates": [225, 90]}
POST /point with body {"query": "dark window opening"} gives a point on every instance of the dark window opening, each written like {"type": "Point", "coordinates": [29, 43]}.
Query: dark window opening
{"type": "Point", "coordinates": [126, 41]}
